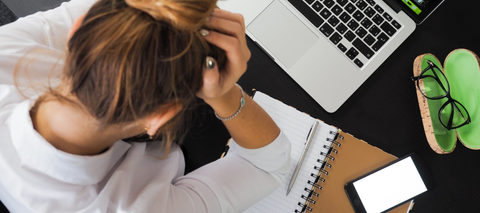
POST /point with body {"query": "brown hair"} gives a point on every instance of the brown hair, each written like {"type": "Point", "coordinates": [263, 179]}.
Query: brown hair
{"type": "Point", "coordinates": [129, 58]}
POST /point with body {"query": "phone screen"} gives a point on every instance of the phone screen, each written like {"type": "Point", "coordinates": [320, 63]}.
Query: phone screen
{"type": "Point", "coordinates": [414, 6]}
{"type": "Point", "coordinates": [390, 186]}
{"type": "Point", "coordinates": [419, 10]}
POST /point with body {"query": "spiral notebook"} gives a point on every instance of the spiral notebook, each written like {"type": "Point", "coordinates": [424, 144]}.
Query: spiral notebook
{"type": "Point", "coordinates": [333, 159]}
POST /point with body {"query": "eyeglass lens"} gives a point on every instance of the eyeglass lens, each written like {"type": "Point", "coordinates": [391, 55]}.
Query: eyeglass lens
{"type": "Point", "coordinates": [435, 84]}
{"type": "Point", "coordinates": [453, 114]}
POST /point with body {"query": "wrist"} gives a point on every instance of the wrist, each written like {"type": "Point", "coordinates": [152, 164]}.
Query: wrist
{"type": "Point", "coordinates": [229, 105]}
{"type": "Point", "coordinates": [225, 98]}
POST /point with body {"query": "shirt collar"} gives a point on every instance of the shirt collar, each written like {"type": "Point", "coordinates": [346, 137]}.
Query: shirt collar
{"type": "Point", "coordinates": [38, 154]}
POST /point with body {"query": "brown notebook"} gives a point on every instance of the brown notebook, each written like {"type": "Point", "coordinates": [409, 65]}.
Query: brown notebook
{"type": "Point", "coordinates": [333, 159]}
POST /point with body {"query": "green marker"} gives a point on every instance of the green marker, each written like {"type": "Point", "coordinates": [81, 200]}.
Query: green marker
{"type": "Point", "coordinates": [412, 6]}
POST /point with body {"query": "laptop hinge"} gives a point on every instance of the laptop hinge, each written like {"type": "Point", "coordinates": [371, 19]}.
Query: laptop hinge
{"type": "Point", "coordinates": [394, 5]}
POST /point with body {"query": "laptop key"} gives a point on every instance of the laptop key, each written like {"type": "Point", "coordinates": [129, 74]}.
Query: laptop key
{"type": "Point", "coordinates": [309, 1]}
{"type": "Point", "coordinates": [381, 40]}
{"type": "Point", "coordinates": [341, 28]}
{"type": "Point", "coordinates": [377, 45]}
{"type": "Point", "coordinates": [363, 48]}
{"type": "Point", "coordinates": [350, 8]}
{"type": "Point", "coordinates": [374, 30]}
{"type": "Point", "coordinates": [383, 37]}
{"type": "Point", "coordinates": [353, 25]}
{"type": "Point", "coordinates": [358, 15]}
{"type": "Point", "coordinates": [396, 24]}
{"type": "Point", "coordinates": [387, 16]}
{"type": "Point", "coordinates": [349, 35]}
{"type": "Point", "coordinates": [333, 21]}
{"type": "Point", "coordinates": [369, 39]}
{"type": "Point", "coordinates": [325, 13]}
{"type": "Point", "coordinates": [377, 19]}
{"type": "Point", "coordinates": [307, 11]}
{"type": "Point", "coordinates": [361, 32]}
{"type": "Point", "coordinates": [371, 2]}
{"type": "Point", "coordinates": [342, 2]}
{"type": "Point", "coordinates": [369, 12]}
{"type": "Point", "coordinates": [358, 63]}
{"type": "Point", "coordinates": [388, 29]}
{"type": "Point", "coordinates": [342, 47]}
{"type": "Point", "coordinates": [317, 6]}
{"type": "Point", "coordinates": [337, 10]}
{"type": "Point", "coordinates": [366, 23]}
{"type": "Point", "coordinates": [326, 29]}
{"type": "Point", "coordinates": [345, 17]}
{"type": "Point", "coordinates": [378, 8]}
{"type": "Point", "coordinates": [329, 3]}
{"type": "Point", "coordinates": [353, 1]}
{"type": "Point", "coordinates": [361, 5]}
{"type": "Point", "coordinates": [335, 38]}
{"type": "Point", "coordinates": [351, 53]}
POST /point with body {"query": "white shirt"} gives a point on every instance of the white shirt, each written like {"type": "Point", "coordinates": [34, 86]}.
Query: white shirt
{"type": "Point", "coordinates": [36, 177]}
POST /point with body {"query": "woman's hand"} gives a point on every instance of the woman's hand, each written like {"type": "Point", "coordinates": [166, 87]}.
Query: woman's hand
{"type": "Point", "coordinates": [228, 33]}
{"type": "Point", "coordinates": [220, 92]}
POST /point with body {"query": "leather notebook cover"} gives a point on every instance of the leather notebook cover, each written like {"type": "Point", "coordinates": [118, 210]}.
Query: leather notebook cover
{"type": "Point", "coordinates": [353, 158]}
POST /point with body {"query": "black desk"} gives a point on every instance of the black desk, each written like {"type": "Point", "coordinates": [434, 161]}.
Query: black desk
{"type": "Point", "coordinates": [384, 111]}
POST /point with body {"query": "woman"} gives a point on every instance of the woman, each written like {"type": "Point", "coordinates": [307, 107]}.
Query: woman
{"type": "Point", "coordinates": [131, 67]}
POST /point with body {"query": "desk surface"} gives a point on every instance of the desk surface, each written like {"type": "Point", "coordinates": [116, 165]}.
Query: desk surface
{"type": "Point", "coordinates": [384, 110]}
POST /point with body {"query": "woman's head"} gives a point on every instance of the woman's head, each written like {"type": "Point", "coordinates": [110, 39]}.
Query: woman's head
{"type": "Point", "coordinates": [130, 59]}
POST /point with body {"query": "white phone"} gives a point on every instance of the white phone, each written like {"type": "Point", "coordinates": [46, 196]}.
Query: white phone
{"type": "Point", "coordinates": [389, 186]}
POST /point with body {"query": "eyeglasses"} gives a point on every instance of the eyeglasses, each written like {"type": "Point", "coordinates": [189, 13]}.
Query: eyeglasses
{"type": "Point", "coordinates": [452, 114]}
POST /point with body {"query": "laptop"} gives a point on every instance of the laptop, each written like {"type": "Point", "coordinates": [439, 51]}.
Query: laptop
{"type": "Point", "coordinates": [330, 47]}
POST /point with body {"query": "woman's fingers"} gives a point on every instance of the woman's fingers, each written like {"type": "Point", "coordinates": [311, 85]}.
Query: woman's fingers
{"type": "Point", "coordinates": [232, 47]}
{"type": "Point", "coordinates": [229, 16]}
{"type": "Point", "coordinates": [231, 24]}
{"type": "Point", "coordinates": [227, 31]}
{"type": "Point", "coordinates": [217, 83]}
{"type": "Point", "coordinates": [226, 26]}
{"type": "Point", "coordinates": [230, 28]}
{"type": "Point", "coordinates": [211, 78]}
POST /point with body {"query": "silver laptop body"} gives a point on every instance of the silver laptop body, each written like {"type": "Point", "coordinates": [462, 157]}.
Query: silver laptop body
{"type": "Point", "coordinates": [325, 67]}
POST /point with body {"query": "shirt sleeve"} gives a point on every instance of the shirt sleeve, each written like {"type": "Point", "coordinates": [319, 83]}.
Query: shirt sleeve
{"type": "Point", "coordinates": [38, 42]}
{"type": "Point", "coordinates": [242, 178]}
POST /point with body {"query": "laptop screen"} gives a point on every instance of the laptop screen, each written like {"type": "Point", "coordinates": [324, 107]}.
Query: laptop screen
{"type": "Point", "coordinates": [419, 10]}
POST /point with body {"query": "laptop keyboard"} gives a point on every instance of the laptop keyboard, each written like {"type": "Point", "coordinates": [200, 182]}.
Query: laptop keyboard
{"type": "Point", "coordinates": [353, 26]}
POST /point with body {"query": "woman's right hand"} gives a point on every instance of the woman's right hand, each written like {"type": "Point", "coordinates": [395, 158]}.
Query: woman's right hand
{"type": "Point", "coordinates": [228, 33]}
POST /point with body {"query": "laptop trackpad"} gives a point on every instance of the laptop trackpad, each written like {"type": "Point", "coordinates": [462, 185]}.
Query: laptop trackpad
{"type": "Point", "coordinates": [282, 33]}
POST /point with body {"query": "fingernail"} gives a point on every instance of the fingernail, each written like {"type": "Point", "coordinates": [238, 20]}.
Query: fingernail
{"type": "Point", "coordinates": [204, 32]}
{"type": "Point", "coordinates": [210, 63]}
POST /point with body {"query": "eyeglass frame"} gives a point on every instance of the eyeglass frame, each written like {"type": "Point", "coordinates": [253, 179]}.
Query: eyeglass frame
{"type": "Point", "coordinates": [447, 95]}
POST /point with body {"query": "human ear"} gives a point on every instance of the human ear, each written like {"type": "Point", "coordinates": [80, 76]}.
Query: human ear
{"type": "Point", "coordinates": [75, 26]}
{"type": "Point", "coordinates": [163, 116]}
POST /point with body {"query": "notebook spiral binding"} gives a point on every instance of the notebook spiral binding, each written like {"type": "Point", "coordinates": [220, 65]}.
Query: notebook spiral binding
{"type": "Point", "coordinates": [322, 170]}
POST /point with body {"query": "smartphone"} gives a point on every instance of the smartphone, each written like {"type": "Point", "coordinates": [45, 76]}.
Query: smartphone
{"type": "Point", "coordinates": [389, 186]}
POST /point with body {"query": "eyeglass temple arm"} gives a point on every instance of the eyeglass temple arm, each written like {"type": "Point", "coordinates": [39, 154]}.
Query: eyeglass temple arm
{"type": "Point", "coordinates": [430, 65]}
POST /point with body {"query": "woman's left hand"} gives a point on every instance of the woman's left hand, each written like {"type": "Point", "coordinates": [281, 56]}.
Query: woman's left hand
{"type": "Point", "coordinates": [228, 33]}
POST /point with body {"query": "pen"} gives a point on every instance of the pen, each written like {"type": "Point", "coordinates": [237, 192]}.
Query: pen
{"type": "Point", "coordinates": [302, 156]}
